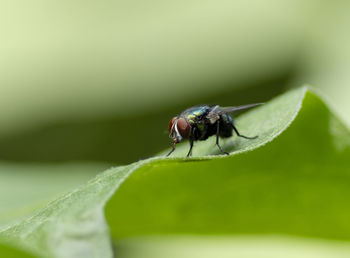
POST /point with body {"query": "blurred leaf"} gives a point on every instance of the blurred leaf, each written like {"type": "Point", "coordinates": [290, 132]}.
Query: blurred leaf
{"type": "Point", "coordinates": [231, 246]}
{"type": "Point", "coordinates": [326, 55]}
{"type": "Point", "coordinates": [71, 60]}
{"type": "Point", "coordinates": [295, 184]}
{"type": "Point", "coordinates": [12, 252]}
{"type": "Point", "coordinates": [25, 188]}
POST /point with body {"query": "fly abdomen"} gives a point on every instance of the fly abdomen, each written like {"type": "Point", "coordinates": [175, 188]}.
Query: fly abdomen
{"type": "Point", "coordinates": [225, 126]}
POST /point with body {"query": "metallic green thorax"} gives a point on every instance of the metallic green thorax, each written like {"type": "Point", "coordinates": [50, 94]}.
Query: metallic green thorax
{"type": "Point", "coordinates": [195, 114]}
{"type": "Point", "coordinates": [196, 118]}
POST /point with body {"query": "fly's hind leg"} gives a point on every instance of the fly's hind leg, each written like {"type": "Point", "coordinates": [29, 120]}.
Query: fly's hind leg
{"type": "Point", "coordinates": [240, 135]}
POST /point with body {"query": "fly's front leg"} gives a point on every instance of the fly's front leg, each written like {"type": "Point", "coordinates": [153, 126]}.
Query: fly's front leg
{"type": "Point", "coordinates": [192, 132]}
{"type": "Point", "coordinates": [190, 150]}
{"type": "Point", "coordinates": [217, 138]}
{"type": "Point", "coordinates": [172, 149]}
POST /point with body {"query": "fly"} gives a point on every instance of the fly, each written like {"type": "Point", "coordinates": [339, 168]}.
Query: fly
{"type": "Point", "coordinates": [199, 122]}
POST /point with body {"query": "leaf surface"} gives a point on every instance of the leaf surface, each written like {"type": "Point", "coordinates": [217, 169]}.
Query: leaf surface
{"type": "Point", "coordinates": [292, 179]}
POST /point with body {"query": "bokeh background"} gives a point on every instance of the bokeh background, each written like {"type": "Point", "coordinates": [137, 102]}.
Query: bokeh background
{"type": "Point", "coordinates": [98, 81]}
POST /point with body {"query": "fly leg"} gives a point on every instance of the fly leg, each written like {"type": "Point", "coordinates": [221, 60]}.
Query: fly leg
{"type": "Point", "coordinates": [240, 135]}
{"type": "Point", "coordinates": [192, 132]}
{"type": "Point", "coordinates": [191, 146]}
{"type": "Point", "coordinates": [172, 149]}
{"type": "Point", "coordinates": [217, 139]}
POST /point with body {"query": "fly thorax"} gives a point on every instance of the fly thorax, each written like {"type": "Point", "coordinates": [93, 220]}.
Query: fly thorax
{"type": "Point", "coordinates": [213, 118]}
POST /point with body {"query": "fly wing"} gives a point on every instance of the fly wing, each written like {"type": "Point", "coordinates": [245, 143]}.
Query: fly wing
{"type": "Point", "coordinates": [223, 110]}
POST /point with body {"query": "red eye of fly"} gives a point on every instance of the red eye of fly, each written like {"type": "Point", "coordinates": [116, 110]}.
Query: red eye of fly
{"type": "Point", "coordinates": [171, 122]}
{"type": "Point", "coordinates": [183, 127]}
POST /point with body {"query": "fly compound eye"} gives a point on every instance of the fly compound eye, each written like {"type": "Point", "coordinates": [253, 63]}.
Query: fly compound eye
{"type": "Point", "coordinates": [183, 127]}
{"type": "Point", "coordinates": [171, 123]}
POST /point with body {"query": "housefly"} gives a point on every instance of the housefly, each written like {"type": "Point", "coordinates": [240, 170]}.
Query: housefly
{"type": "Point", "coordinates": [199, 122]}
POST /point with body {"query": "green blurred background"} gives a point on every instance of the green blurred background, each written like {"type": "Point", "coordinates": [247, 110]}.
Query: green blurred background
{"type": "Point", "coordinates": [96, 82]}
{"type": "Point", "coordinates": [99, 80]}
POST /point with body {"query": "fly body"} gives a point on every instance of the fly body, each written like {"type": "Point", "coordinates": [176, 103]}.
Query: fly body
{"type": "Point", "coordinates": [200, 122]}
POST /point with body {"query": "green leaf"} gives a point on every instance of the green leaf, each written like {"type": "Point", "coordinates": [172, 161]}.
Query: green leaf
{"type": "Point", "coordinates": [233, 246]}
{"type": "Point", "coordinates": [290, 180]}
{"type": "Point", "coordinates": [12, 252]}
{"type": "Point", "coordinates": [25, 188]}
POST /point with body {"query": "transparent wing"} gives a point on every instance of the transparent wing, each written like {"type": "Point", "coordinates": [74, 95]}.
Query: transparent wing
{"type": "Point", "coordinates": [222, 110]}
